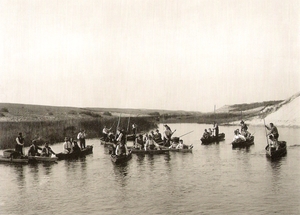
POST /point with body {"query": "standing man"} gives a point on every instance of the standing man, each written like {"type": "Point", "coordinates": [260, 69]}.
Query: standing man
{"type": "Point", "coordinates": [121, 137]}
{"type": "Point", "coordinates": [134, 130]}
{"type": "Point", "coordinates": [105, 132]}
{"type": "Point", "coordinates": [20, 144]}
{"type": "Point", "coordinates": [167, 136]}
{"type": "Point", "coordinates": [216, 129]}
{"type": "Point", "coordinates": [81, 137]}
{"type": "Point", "coordinates": [273, 130]}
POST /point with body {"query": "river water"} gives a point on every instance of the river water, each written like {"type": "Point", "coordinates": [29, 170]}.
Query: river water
{"type": "Point", "coordinates": [213, 179]}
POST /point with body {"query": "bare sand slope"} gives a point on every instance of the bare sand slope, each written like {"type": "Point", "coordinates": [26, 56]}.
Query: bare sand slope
{"type": "Point", "coordinates": [286, 113]}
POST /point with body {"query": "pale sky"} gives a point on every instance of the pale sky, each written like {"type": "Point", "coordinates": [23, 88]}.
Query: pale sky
{"type": "Point", "coordinates": [155, 54]}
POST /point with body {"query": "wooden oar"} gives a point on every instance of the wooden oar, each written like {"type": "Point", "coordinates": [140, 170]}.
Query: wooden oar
{"type": "Point", "coordinates": [186, 134]}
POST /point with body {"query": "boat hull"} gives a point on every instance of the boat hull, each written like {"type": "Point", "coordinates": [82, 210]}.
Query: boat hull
{"type": "Point", "coordinates": [277, 153]}
{"type": "Point", "coordinates": [4, 159]}
{"type": "Point", "coordinates": [42, 159]}
{"type": "Point", "coordinates": [75, 155]}
{"type": "Point", "coordinates": [243, 144]}
{"type": "Point", "coordinates": [119, 160]}
{"type": "Point", "coordinates": [213, 139]}
{"type": "Point", "coordinates": [152, 152]}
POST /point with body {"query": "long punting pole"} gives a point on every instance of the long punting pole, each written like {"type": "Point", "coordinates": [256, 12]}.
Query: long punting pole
{"type": "Point", "coordinates": [266, 131]}
{"type": "Point", "coordinates": [128, 124]}
{"type": "Point", "coordinates": [118, 124]}
{"type": "Point", "coordinates": [186, 134]}
{"type": "Point", "coordinates": [214, 112]}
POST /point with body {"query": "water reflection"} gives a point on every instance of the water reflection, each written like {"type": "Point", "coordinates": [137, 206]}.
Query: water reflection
{"type": "Point", "coordinates": [121, 172]}
{"type": "Point", "coordinates": [20, 176]}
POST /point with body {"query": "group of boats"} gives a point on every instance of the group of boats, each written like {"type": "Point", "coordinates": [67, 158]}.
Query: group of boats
{"type": "Point", "coordinates": [132, 150]}
{"type": "Point", "coordinates": [11, 156]}
{"type": "Point", "coordinates": [271, 152]}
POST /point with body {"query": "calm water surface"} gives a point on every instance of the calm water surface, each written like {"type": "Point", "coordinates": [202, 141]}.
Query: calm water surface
{"type": "Point", "coordinates": [214, 179]}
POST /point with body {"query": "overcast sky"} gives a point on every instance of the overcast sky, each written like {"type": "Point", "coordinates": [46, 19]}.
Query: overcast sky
{"type": "Point", "coordinates": [156, 54]}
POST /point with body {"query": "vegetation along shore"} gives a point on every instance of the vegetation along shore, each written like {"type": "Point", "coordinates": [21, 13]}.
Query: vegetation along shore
{"type": "Point", "coordinates": [53, 123]}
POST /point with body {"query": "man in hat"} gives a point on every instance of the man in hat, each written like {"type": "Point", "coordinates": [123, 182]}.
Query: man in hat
{"type": "Point", "coordinates": [33, 149]}
{"type": "Point", "coordinates": [47, 151]}
{"type": "Point", "coordinates": [20, 144]}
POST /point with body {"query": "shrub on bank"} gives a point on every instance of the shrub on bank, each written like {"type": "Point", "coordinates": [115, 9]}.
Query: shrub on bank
{"type": "Point", "coordinates": [4, 110]}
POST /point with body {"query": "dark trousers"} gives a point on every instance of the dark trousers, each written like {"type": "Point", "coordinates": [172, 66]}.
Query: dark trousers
{"type": "Point", "coordinates": [82, 143]}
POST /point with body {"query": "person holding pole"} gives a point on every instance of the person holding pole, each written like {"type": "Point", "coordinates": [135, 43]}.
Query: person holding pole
{"type": "Point", "coordinates": [273, 130]}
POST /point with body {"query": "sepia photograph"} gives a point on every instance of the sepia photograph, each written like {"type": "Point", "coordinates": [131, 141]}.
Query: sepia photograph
{"type": "Point", "coordinates": [144, 107]}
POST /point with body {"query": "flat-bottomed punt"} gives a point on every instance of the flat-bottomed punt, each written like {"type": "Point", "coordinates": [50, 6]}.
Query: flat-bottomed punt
{"type": "Point", "coordinates": [11, 156]}
{"type": "Point", "coordinates": [33, 159]}
{"type": "Point", "coordinates": [213, 139]}
{"type": "Point", "coordinates": [21, 160]}
{"type": "Point", "coordinates": [121, 159]}
{"type": "Point", "coordinates": [75, 155]}
{"type": "Point", "coordinates": [241, 144]}
{"type": "Point", "coordinates": [273, 153]}
{"type": "Point", "coordinates": [152, 152]}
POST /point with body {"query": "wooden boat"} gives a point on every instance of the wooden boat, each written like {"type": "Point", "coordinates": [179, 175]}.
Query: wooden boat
{"type": "Point", "coordinates": [152, 152]}
{"type": "Point", "coordinates": [273, 153]}
{"type": "Point", "coordinates": [34, 159]}
{"type": "Point", "coordinates": [240, 144]}
{"type": "Point", "coordinates": [213, 139]}
{"type": "Point", "coordinates": [11, 159]}
{"type": "Point", "coordinates": [75, 155]}
{"type": "Point", "coordinates": [190, 149]}
{"type": "Point", "coordinates": [121, 159]}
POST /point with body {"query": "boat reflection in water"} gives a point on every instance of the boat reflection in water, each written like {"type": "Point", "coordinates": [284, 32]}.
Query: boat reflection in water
{"type": "Point", "coordinates": [240, 180]}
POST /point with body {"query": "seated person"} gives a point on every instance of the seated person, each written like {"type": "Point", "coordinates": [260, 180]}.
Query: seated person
{"type": "Point", "coordinates": [158, 137]}
{"type": "Point", "coordinates": [183, 146]}
{"type": "Point", "coordinates": [111, 137]}
{"type": "Point", "coordinates": [105, 132]}
{"type": "Point", "coordinates": [238, 137]}
{"type": "Point", "coordinates": [139, 143]}
{"type": "Point", "coordinates": [246, 134]}
{"type": "Point", "coordinates": [67, 146]}
{"type": "Point", "coordinates": [210, 133]}
{"type": "Point", "coordinates": [273, 143]}
{"type": "Point", "coordinates": [76, 148]}
{"type": "Point", "coordinates": [205, 134]}
{"type": "Point", "coordinates": [151, 144]}
{"type": "Point", "coordinates": [33, 149]}
{"type": "Point", "coordinates": [47, 151]}
{"type": "Point", "coordinates": [174, 143]}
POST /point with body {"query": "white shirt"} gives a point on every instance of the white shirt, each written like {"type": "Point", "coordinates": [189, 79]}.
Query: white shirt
{"type": "Point", "coordinates": [151, 142]}
{"type": "Point", "coordinates": [67, 145]}
{"type": "Point", "coordinates": [239, 136]}
{"type": "Point", "coordinates": [81, 135]}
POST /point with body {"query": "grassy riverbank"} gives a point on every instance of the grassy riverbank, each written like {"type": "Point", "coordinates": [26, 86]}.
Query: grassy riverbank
{"type": "Point", "coordinates": [54, 123]}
